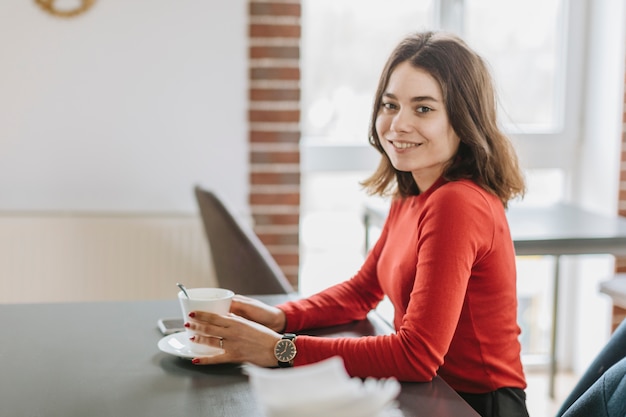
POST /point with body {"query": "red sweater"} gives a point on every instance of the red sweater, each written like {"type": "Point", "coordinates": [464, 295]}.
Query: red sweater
{"type": "Point", "coordinates": [446, 261]}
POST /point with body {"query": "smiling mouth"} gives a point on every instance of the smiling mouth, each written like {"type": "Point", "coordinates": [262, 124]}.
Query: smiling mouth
{"type": "Point", "coordinates": [404, 145]}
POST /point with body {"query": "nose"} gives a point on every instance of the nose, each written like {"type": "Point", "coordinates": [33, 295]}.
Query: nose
{"type": "Point", "coordinates": [401, 121]}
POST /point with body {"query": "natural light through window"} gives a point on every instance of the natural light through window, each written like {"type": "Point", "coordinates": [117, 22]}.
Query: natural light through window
{"type": "Point", "coordinates": [527, 58]}
{"type": "Point", "coordinates": [343, 57]}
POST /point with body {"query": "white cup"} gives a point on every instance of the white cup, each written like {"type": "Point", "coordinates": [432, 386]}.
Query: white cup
{"type": "Point", "coordinates": [213, 300]}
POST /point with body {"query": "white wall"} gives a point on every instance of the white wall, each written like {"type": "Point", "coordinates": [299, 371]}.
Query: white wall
{"type": "Point", "coordinates": [58, 258]}
{"type": "Point", "coordinates": [595, 182]}
{"type": "Point", "coordinates": [107, 121]}
{"type": "Point", "coordinates": [124, 108]}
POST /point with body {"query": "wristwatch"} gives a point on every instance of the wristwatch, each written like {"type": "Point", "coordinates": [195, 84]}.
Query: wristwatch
{"type": "Point", "coordinates": [285, 350]}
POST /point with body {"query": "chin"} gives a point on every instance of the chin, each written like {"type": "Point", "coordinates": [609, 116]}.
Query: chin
{"type": "Point", "coordinates": [403, 167]}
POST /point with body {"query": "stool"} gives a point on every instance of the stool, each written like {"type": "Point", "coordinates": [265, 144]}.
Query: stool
{"type": "Point", "coordinates": [616, 289]}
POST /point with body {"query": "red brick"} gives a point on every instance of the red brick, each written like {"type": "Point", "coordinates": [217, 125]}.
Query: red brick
{"type": "Point", "coordinates": [274, 137]}
{"type": "Point", "coordinates": [281, 116]}
{"type": "Point", "coordinates": [293, 279]}
{"type": "Point", "coordinates": [266, 94]}
{"type": "Point", "coordinates": [283, 52]}
{"type": "Point", "coordinates": [263, 178]}
{"type": "Point", "coordinates": [275, 157]}
{"type": "Point", "coordinates": [276, 219]}
{"type": "Point", "coordinates": [274, 31]}
{"type": "Point", "coordinates": [282, 199]}
{"type": "Point", "coordinates": [275, 9]}
{"type": "Point", "coordinates": [280, 239]}
{"type": "Point", "coordinates": [286, 258]}
{"type": "Point", "coordinates": [619, 315]}
{"type": "Point", "coordinates": [275, 73]}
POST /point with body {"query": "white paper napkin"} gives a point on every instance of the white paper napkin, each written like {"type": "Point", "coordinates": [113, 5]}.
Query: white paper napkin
{"type": "Point", "coordinates": [321, 389]}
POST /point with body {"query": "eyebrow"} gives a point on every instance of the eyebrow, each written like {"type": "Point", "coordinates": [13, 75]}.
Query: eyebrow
{"type": "Point", "coordinates": [417, 99]}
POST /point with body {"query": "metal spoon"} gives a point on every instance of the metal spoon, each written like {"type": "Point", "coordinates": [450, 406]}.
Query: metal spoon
{"type": "Point", "coordinates": [182, 288]}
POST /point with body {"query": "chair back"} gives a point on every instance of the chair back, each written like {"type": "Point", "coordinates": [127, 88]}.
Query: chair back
{"type": "Point", "coordinates": [242, 263]}
{"type": "Point", "coordinates": [605, 398]}
{"type": "Point", "coordinates": [596, 379]}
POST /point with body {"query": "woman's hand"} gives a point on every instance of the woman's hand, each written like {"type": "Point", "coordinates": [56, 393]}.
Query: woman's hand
{"type": "Point", "coordinates": [241, 339]}
{"type": "Point", "coordinates": [259, 312]}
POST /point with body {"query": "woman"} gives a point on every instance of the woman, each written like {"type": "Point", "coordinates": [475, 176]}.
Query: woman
{"type": "Point", "coordinates": [445, 257]}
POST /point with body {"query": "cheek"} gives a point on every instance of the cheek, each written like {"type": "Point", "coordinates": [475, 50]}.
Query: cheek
{"type": "Point", "coordinates": [448, 139]}
{"type": "Point", "coordinates": [381, 126]}
{"type": "Point", "coordinates": [453, 141]}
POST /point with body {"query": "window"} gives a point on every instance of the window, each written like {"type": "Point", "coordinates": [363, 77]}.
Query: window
{"type": "Point", "coordinates": [345, 46]}
{"type": "Point", "coordinates": [527, 59]}
{"type": "Point", "coordinates": [534, 50]}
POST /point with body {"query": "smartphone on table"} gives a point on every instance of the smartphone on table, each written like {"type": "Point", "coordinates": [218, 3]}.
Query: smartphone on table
{"type": "Point", "coordinates": [171, 325]}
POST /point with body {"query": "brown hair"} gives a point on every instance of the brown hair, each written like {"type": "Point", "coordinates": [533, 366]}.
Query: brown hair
{"type": "Point", "coordinates": [485, 154]}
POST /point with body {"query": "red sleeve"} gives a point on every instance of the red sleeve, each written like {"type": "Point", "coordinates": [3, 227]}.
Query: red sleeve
{"type": "Point", "coordinates": [452, 231]}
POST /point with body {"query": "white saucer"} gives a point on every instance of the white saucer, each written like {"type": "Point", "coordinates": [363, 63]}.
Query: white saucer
{"type": "Point", "coordinates": [176, 344]}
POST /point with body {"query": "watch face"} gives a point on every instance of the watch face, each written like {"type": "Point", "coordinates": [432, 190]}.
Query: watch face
{"type": "Point", "coordinates": [285, 350]}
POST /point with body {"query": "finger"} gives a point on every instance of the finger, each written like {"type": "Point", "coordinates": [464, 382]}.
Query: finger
{"type": "Point", "coordinates": [220, 355]}
{"type": "Point", "coordinates": [210, 318]}
{"type": "Point", "coordinates": [243, 305]}
{"type": "Point", "coordinates": [242, 298]}
{"type": "Point", "coordinates": [203, 328]}
{"type": "Point", "coordinates": [248, 307]}
{"type": "Point", "coordinates": [213, 341]}
{"type": "Point", "coordinates": [211, 360]}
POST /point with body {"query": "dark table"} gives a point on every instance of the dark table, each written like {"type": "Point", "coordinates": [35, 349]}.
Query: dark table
{"type": "Point", "coordinates": [101, 359]}
{"type": "Point", "coordinates": [554, 230]}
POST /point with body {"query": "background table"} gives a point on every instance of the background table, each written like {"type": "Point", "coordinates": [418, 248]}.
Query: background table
{"type": "Point", "coordinates": [555, 230]}
{"type": "Point", "coordinates": [564, 229]}
{"type": "Point", "coordinates": [101, 359]}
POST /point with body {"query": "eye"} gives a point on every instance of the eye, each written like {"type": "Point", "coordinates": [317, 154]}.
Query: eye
{"type": "Point", "coordinates": [388, 106]}
{"type": "Point", "coordinates": [423, 109]}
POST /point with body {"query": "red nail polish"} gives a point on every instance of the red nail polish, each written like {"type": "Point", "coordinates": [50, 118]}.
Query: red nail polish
{"type": "Point", "coordinates": [186, 324]}
{"type": "Point", "coordinates": [192, 338]}
{"type": "Point", "coordinates": [195, 361]}
{"type": "Point", "coordinates": [192, 314]}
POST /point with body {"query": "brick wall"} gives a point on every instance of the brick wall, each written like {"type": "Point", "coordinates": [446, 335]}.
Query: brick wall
{"type": "Point", "coordinates": [619, 314]}
{"type": "Point", "coordinates": [274, 123]}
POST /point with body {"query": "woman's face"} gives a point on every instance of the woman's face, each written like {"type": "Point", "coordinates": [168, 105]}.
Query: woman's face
{"type": "Point", "coordinates": [413, 125]}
